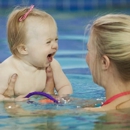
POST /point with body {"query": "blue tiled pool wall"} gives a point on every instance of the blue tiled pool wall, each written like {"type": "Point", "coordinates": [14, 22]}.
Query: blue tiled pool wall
{"type": "Point", "coordinates": [68, 4]}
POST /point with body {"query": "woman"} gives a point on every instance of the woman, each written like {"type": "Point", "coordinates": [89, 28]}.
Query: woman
{"type": "Point", "coordinates": [109, 59]}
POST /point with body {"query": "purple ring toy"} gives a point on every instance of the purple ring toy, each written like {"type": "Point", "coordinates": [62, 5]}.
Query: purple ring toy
{"type": "Point", "coordinates": [42, 94]}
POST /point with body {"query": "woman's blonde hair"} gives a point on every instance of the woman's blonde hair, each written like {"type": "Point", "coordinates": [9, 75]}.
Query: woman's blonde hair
{"type": "Point", "coordinates": [16, 30]}
{"type": "Point", "coordinates": [110, 35]}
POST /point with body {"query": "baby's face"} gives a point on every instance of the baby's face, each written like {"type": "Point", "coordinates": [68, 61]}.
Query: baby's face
{"type": "Point", "coordinates": [41, 42]}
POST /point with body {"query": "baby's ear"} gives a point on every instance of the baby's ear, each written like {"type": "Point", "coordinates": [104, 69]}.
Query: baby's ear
{"type": "Point", "coordinates": [105, 62]}
{"type": "Point", "coordinates": [22, 49]}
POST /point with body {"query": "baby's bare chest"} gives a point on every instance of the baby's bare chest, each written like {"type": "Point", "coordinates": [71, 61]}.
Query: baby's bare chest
{"type": "Point", "coordinates": [27, 83]}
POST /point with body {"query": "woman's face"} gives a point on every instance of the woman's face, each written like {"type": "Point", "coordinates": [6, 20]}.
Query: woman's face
{"type": "Point", "coordinates": [91, 58]}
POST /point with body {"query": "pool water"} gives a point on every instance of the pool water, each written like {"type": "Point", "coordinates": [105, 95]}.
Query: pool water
{"type": "Point", "coordinates": [68, 115]}
{"type": "Point", "coordinates": [71, 55]}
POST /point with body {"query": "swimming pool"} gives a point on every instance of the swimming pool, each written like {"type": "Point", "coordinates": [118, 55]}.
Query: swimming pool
{"type": "Point", "coordinates": [71, 55]}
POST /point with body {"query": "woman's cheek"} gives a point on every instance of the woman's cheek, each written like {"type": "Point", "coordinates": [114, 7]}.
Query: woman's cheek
{"type": "Point", "coordinates": [87, 59]}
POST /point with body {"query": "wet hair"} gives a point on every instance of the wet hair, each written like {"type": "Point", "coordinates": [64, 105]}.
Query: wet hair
{"type": "Point", "coordinates": [110, 35]}
{"type": "Point", "coordinates": [16, 30]}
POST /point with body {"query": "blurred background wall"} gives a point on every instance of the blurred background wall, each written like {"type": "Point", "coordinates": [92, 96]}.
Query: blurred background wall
{"type": "Point", "coordinates": [68, 4]}
{"type": "Point", "coordinates": [72, 17]}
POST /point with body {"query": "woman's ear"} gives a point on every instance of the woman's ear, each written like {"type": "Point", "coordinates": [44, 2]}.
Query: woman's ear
{"type": "Point", "coordinates": [105, 62]}
{"type": "Point", "coordinates": [22, 49]}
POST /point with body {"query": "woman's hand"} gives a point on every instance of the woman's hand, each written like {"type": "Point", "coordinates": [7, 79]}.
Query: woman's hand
{"type": "Point", "coordinates": [9, 94]}
{"type": "Point", "coordinates": [50, 85]}
{"type": "Point", "coordinates": [14, 109]}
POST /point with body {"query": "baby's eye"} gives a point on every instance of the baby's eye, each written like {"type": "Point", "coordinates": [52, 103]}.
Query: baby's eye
{"type": "Point", "coordinates": [48, 42]}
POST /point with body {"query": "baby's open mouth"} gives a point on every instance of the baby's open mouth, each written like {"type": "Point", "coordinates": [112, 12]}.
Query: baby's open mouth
{"type": "Point", "coordinates": [50, 56]}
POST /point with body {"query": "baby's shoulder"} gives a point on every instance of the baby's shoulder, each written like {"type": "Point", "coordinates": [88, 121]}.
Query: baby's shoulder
{"type": "Point", "coordinates": [6, 70]}
{"type": "Point", "coordinates": [55, 65]}
{"type": "Point", "coordinates": [6, 65]}
{"type": "Point", "coordinates": [54, 62]}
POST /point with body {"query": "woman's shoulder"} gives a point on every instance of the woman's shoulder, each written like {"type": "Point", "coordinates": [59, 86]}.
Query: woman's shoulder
{"type": "Point", "coordinates": [95, 109]}
{"type": "Point", "coordinates": [101, 108]}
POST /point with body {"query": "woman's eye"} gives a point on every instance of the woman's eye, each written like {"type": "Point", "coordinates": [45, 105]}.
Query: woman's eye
{"type": "Point", "coordinates": [87, 48]}
{"type": "Point", "coordinates": [56, 39]}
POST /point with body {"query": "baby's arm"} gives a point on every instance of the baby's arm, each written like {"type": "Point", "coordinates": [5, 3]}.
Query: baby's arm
{"type": "Point", "coordinates": [62, 84]}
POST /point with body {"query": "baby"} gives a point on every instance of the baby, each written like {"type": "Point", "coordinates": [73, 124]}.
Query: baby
{"type": "Point", "coordinates": [33, 41]}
